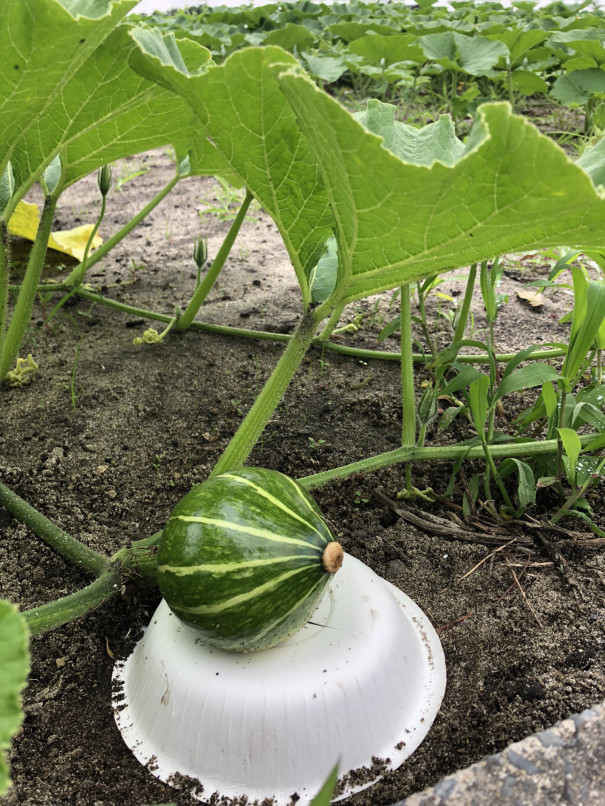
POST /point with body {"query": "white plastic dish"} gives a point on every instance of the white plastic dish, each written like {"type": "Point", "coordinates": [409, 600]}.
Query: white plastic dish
{"type": "Point", "coordinates": [359, 685]}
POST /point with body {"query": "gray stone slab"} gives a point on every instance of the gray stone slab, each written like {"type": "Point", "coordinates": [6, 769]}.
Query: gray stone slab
{"type": "Point", "coordinates": [562, 765]}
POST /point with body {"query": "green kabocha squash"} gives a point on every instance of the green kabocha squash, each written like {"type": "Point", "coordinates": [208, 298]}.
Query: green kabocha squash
{"type": "Point", "coordinates": [245, 558]}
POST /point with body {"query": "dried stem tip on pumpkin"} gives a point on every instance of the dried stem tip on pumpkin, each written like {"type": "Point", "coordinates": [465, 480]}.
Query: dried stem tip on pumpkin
{"type": "Point", "coordinates": [332, 557]}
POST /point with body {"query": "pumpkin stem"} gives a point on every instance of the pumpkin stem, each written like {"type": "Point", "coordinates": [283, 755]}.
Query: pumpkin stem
{"type": "Point", "coordinates": [332, 557]}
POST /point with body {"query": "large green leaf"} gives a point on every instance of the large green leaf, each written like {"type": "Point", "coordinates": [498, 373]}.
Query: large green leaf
{"type": "Point", "coordinates": [14, 668]}
{"type": "Point", "coordinates": [437, 141]}
{"type": "Point", "coordinates": [527, 82]}
{"type": "Point", "coordinates": [350, 30]}
{"type": "Point", "coordinates": [241, 108]}
{"type": "Point", "coordinates": [588, 46]}
{"type": "Point", "coordinates": [593, 162]}
{"type": "Point", "coordinates": [327, 68]}
{"type": "Point", "coordinates": [512, 189]}
{"type": "Point", "coordinates": [105, 112]}
{"type": "Point", "coordinates": [290, 36]}
{"type": "Point", "coordinates": [526, 378]}
{"type": "Point", "coordinates": [579, 86]}
{"type": "Point", "coordinates": [475, 55]}
{"type": "Point", "coordinates": [519, 42]}
{"type": "Point", "coordinates": [391, 49]}
{"type": "Point", "coordinates": [43, 43]}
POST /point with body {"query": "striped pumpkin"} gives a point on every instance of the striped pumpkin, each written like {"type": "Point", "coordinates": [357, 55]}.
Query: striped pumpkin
{"type": "Point", "coordinates": [245, 558]}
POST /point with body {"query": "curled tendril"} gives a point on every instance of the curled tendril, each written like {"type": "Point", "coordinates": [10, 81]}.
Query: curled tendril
{"type": "Point", "coordinates": [150, 336]}
{"type": "Point", "coordinates": [21, 374]}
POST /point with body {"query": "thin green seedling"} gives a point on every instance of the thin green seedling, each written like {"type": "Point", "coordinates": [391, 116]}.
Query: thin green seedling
{"type": "Point", "coordinates": [230, 200]}
{"type": "Point", "coordinates": [577, 497]}
{"type": "Point", "coordinates": [73, 389]}
{"type": "Point", "coordinates": [157, 463]}
{"type": "Point", "coordinates": [423, 289]}
{"type": "Point", "coordinates": [484, 392]}
{"type": "Point", "coordinates": [126, 173]}
{"type": "Point", "coordinates": [587, 319]}
{"type": "Point", "coordinates": [315, 444]}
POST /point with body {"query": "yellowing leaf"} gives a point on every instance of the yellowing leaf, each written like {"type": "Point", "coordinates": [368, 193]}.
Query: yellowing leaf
{"type": "Point", "coordinates": [73, 241]}
{"type": "Point", "coordinates": [535, 299]}
{"type": "Point", "coordinates": [24, 223]}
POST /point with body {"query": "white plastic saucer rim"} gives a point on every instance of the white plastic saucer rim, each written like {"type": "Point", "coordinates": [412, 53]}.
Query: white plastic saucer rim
{"type": "Point", "coordinates": [363, 681]}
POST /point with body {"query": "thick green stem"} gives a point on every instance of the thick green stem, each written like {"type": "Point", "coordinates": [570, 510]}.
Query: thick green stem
{"type": "Point", "coordinates": [4, 277]}
{"type": "Point", "coordinates": [439, 452]}
{"type": "Point", "coordinates": [9, 349]}
{"type": "Point", "coordinates": [267, 401]}
{"type": "Point", "coordinates": [52, 615]}
{"type": "Point", "coordinates": [466, 305]}
{"type": "Point", "coordinates": [77, 275]}
{"type": "Point", "coordinates": [408, 399]}
{"type": "Point", "coordinates": [139, 561]}
{"type": "Point", "coordinates": [65, 545]}
{"type": "Point", "coordinates": [425, 330]}
{"type": "Point", "coordinates": [201, 292]}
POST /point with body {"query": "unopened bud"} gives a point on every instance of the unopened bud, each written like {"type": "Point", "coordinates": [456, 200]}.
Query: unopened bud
{"type": "Point", "coordinates": [200, 251]}
{"type": "Point", "coordinates": [104, 179]}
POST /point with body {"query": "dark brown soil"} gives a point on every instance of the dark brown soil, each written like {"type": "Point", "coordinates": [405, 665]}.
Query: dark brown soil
{"type": "Point", "coordinates": [109, 436]}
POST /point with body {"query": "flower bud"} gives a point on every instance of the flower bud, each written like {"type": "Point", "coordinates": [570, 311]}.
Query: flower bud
{"type": "Point", "coordinates": [104, 179]}
{"type": "Point", "coordinates": [200, 251]}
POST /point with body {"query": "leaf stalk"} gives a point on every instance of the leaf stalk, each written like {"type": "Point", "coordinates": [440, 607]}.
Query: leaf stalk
{"type": "Point", "coordinates": [201, 292]}
{"type": "Point", "coordinates": [64, 544]}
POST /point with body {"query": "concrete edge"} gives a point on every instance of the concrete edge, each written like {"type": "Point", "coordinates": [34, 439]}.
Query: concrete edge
{"type": "Point", "coordinates": [562, 765]}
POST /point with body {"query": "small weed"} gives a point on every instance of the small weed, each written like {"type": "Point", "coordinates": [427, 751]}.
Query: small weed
{"type": "Point", "coordinates": [314, 444]}
{"type": "Point", "coordinates": [228, 202]}
{"type": "Point", "coordinates": [159, 458]}
{"type": "Point", "coordinates": [323, 363]}
{"type": "Point", "coordinates": [126, 173]}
